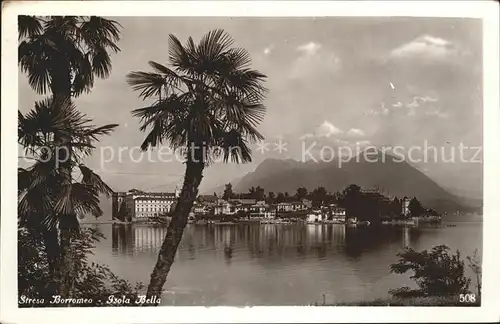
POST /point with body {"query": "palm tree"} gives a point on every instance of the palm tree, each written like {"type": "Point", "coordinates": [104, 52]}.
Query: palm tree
{"type": "Point", "coordinates": [44, 197]}
{"type": "Point", "coordinates": [62, 55]}
{"type": "Point", "coordinates": [209, 103]}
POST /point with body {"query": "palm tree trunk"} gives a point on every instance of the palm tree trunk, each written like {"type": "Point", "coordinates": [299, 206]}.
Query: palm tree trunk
{"type": "Point", "coordinates": [61, 90]}
{"type": "Point", "coordinates": [192, 179]}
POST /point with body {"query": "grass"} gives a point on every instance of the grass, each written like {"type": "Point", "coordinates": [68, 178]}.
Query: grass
{"type": "Point", "coordinates": [416, 301]}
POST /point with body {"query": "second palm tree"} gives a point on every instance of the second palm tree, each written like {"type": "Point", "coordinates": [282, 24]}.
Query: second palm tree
{"type": "Point", "coordinates": [208, 103]}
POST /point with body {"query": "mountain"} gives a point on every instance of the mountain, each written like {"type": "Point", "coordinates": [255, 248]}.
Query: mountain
{"type": "Point", "coordinates": [390, 176]}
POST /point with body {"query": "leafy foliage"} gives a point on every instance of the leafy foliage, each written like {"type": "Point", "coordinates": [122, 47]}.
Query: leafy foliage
{"type": "Point", "coordinates": [436, 273]}
{"type": "Point", "coordinates": [94, 281]}
{"type": "Point", "coordinates": [474, 264]}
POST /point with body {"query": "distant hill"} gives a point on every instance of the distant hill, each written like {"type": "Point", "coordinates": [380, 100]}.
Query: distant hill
{"type": "Point", "coordinates": [391, 177]}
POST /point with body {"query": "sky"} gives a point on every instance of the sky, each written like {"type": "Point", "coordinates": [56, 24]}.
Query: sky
{"type": "Point", "coordinates": [333, 81]}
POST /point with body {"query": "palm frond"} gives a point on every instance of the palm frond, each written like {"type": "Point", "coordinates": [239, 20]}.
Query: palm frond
{"type": "Point", "coordinates": [173, 81]}
{"type": "Point", "coordinates": [35, 63]}
{"type": "Point", "coordinates": [28, 26]}
{"type": "Point", "coordinates": [23, 179]}
{"type": "Point", "coordinates": [213, 44]}
{"type": "Point", "coordinates": [35, 206]}
{"type": "Point", "coordinates": [61, 25]}
{"type": "Point", "coordinates": [234, 147]}
{"type": "Point", "coordinates": [236, 59]}
{"type": "Point", "coordinates": [154, 137]}
{"type": "Point", "coordinates": [246, 82]}
{"type": "Point", "coordinates": [90, 178]}
{"type": "Point", "coordinates": [100, 32]}
{"type": "Point", "coordinates": [180, 57]}
{"type": "Point", "coordinates": [94, 132]}
{"type": "Point", "coordinates": [150, 84]}
{"type": "Point", "coordinates": [36, 124]}
{"type": "Point", "coordinates": [51, 118]}
{"type": "Point", "coordinates": [83, 76]}
{"type": "Point", "coordinates": [35, 193]}
{"type": "Point", "coordinates": [101, 62]}
{"type": "Point", "coordinates": [157, 118]}
{"type": "Point", "coordinates": [85, 199]}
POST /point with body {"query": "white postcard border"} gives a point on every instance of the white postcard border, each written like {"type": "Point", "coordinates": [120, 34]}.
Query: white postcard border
{"type": "Point", "coordinates": [489, 311]}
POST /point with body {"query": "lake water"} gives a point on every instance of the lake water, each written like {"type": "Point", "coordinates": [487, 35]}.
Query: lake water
{"type": "Point", "coordinates": [276, 264]}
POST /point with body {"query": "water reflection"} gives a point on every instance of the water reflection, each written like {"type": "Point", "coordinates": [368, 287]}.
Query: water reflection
{"type": "Point", "coordinates": [268, 264]}
{"type": "Point", "coordinates": [264, 241]}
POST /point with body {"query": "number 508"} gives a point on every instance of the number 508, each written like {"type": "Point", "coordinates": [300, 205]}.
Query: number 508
{"type": "Point", "coordinates": [467, 298]}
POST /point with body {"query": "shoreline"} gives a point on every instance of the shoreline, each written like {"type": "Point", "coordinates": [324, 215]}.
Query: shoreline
{"type": "Point", "coordinates": [436, 301]}
{"type": "Point", "coordinates": [117, 222]}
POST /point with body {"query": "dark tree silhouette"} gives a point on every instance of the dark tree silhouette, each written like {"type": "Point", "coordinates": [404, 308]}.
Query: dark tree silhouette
{"type": "Point", "coordinates": [415, 207]}
{"type": "Point", "coordinates": [228, 192]}
{"type": "Point", "coordinates": [301, 193]}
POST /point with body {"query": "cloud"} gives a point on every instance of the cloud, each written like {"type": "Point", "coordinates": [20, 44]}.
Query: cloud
{"type": "Point", "coordinates": [327, 129]}
{"type": "Point", "coordinates": [363, 143]}
{"type": "Point", "coordinates": [314, 61]}
{"type": "Point", "coordinates": [427, 47]}
{"type": "Point", "coordinates": [310, 48]}
{"type": "Point", "coordinates": [427, 99]}
{"type": "Point", "coordinates": [413, 104]}
{"type": "Point", "coordinates": [416, 101]}
{"type": "Point", "coordinates": [355, 132]}
{"type": "Point", "coordinates": [371, 112]}
{"type": "Point", "coordinates": [422, 104]}
{"type": "Point", "coordinates": [268, 50]}
{"type": "Point", "coordinates": [437, 113]}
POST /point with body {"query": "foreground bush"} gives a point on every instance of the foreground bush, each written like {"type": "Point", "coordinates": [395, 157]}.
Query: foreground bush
{"type": "Point", "coordinates": [436, 273]}
{"type": "Point", "coordinates": [93, 281]}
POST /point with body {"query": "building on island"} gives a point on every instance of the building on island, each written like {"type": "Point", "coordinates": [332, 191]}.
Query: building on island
{"type": "Point", "coordinates": [313, 218]}
{"type": "Point", "coordinates": [222, 207]}
{"type": "Point", "coordinates": [405, 206]}
{"type": "Point", "coordinates": [136, 205]}
{"type": "Point", "coordinates": [248, 207]}
{"type": "Point", "coordinates": [118, 206]}
{"type": "Point", "coordinates": [200, 209]}
{"type": "Point", "coordinates": [294, 206]}
{"type": "Point", "coordinates": [337, 214]}
{"type": "Point", "coordinates": [241, 205]}
{"type": "Point", "coordinates": [262, 210]}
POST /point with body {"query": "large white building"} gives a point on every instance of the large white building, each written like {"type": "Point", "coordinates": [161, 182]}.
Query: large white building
{"type": "Point", "coordinates": [143, 205]}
